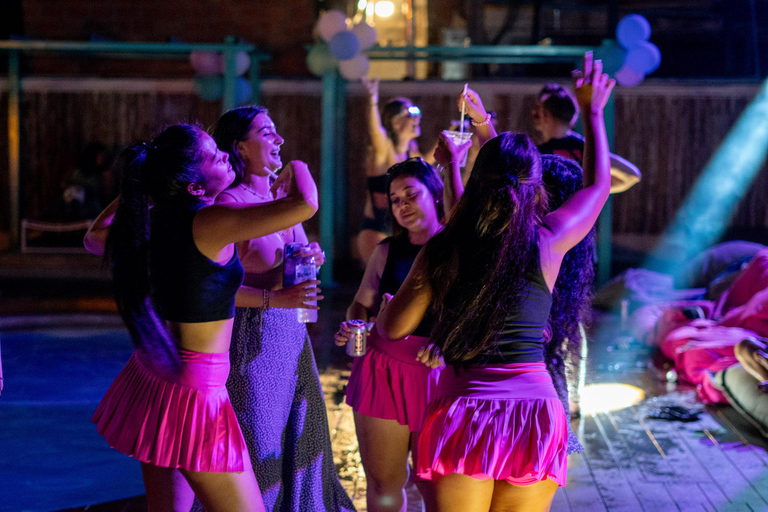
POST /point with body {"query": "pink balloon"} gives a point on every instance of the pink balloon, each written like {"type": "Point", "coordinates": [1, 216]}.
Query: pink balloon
{"type": "Point", "coordinates": [366, 34]}
{"type": "Point", "coordinates": [355, 68]}
{"type": "Point", "coordinates": [330, 24]}
{"type": "Point", "coordinates": [206, 63]}
{"type": "Point", "coordinates": [628, 77]}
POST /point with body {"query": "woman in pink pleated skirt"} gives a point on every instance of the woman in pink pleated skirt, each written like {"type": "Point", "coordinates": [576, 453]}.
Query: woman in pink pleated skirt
{"type": "Point", "coordinates": [176, 272]}
{"type": "Point", "coordinates": [495, 434]}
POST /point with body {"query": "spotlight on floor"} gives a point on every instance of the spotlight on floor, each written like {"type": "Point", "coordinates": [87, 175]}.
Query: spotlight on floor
{"type": "Point", "coordinates": [597, 398]}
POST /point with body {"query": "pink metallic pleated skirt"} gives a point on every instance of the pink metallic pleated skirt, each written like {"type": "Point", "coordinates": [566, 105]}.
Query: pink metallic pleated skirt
{"type": "Point", "coordinates": [388, 382]}
{"type": "Point", "coordinates": [502, 422]}
{"type": "Point", "coordinates": [185, 422]}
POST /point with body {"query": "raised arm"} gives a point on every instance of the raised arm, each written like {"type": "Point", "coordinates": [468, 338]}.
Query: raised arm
{"type": "Point", "coordinates": [375, 130]}
{"type": "Point", "coordinates": [219, 225]}
{"type": "Point", "coordinates": [448, 155]}
{"type": "Point", "coordinates": [409, 305]}
{"type": "Point", "coordinates": [481, 120]}
{"type": "Point", "coordinates": [563, 228]}
{"type": "Point", "coordinates": [95, 240]}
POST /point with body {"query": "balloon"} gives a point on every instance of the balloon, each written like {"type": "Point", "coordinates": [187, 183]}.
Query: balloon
{"type": "Point", "coordinates": [355, 68]}
{"type": "Point", "coordinates": [612, 55]}
{"type": "Point", "coordinates": [209, 87]}
{"type": "Point", "coordinates": [320, 61]}
{"type": "Point", "coordinates": [628, 77]}
{"type": "Point", "coordinates": [242, 63]}
{"type": "Point", "coordinates": [644, 57]}
{"type": "Point", "coordinates": [242, 91]}
{"type": "Point", "coordinates": [366, 34]}
{"type": "Point", "coordinates": [344, 45]}
{"type": "Point", "coordinates": [633, 29]}
{"type": "Point", "coordinates": [206, 63]}
{"type": "Point", "coordinates": [330, 24]}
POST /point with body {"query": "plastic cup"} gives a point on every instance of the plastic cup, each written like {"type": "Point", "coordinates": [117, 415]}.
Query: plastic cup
{"type": "Point", "coordinates": [459, 138]}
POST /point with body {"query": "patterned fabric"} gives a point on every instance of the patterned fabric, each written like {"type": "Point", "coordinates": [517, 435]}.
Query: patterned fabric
{"type": "Point", "coordinates": [276, 393]}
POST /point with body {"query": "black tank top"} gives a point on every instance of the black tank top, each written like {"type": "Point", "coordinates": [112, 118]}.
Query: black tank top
{"type": "Point", "coordinates": [522, 335]}
{"type": "Point", "coordinates": [400, 259]}
{"type": "Point", "coordinates": [186, 285]}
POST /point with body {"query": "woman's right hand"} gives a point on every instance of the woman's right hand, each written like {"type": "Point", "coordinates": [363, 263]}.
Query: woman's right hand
{"type": "Point", "coordinates": [296, 182]}
{"type": "Point", "coordinates": [342, 335]}
{"type": "Point", "coordinates": [295, 296]}
{"type": "Point", "coordinates": [372, 86]}
{"type": "Point", "coordinates": [592, 86]}
{"type": "Point", "coordinates": [473, 105]}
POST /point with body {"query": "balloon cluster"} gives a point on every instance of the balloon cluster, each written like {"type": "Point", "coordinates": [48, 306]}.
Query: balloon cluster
{"type": "Point", "coordinates": [340, 47]}
{"type": "Point", "coordinates": [209, 78]}
{"type": "Point", "coordinates": [633, 57]}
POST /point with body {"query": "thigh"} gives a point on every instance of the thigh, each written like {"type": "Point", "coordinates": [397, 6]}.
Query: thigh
{"type": "Point", "coordinates": [383, 447]}
{"type": "Point", "coordinates": [226, 492]}
{"type": "Point", "coordinates": [167, 489]}
{"type": "Point", "coordinates": [523, 498]}
{"type": "Point", "coordinates": [461, 493]}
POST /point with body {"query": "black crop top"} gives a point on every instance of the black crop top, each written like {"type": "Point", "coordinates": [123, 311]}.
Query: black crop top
{"type": "Point", "coordinates": [400, 258]}
{"type": "Point", "coordinates": [522, 339]}
{"type": "Point", "coordinates": [186, 285]}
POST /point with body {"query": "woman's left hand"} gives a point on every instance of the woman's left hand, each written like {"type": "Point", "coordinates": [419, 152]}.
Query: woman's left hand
{"type": "Point", "coordinates": [425, 356]}
{"type": "Point", "coordinates": [313, 249]}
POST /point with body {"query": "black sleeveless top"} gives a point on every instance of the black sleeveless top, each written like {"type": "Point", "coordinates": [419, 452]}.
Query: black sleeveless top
{"type": "Point", "coordinates": [522, 338]}
{"type": "Point", "coordinates": [400, 258]}
{"type": "Point", "coordinates": [186, 285]}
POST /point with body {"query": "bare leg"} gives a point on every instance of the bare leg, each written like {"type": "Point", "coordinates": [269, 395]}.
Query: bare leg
{"type": "Point", "coordinates": [226, 492]}
{"type": "Point", "coordinates": [367, 240]}
{"type": "Point", "coordinates": [462, 493]}
{"type": "Point", "coordinates": [384, 452]}
{"type": "Point", "coordinates": [523, 498]}
{"type": "Point", "coordinates": [425, 487]}
{"type": "Point", "coordinates": [167, 489]}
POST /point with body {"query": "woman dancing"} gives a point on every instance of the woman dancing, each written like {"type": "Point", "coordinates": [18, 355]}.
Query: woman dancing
{"type": "Point", "coordinates": [274, 384]}
{"type": "Point", "coordinates": [393, 133]}
{"type": "Point", "coordinates": [176, 272]}
{"type": "Point", "coordinates": [495, 435]}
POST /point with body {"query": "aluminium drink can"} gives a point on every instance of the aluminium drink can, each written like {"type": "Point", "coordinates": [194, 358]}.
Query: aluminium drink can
{"type": "Point", "coordinates": [357, 342]}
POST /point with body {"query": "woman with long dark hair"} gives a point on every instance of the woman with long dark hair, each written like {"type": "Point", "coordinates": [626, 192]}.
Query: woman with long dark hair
{"type": "Point", "coordinates": [495, 435]}
{"type": "Point", "coordinates": [274, 384]}
{"type": "Point", "coordinates": [176, 271]}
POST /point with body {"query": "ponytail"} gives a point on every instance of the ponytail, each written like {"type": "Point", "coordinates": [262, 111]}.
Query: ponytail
{"type": "Point", "coordinates": [127, 253]}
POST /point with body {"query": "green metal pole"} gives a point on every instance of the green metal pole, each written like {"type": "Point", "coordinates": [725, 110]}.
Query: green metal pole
{"type": "Point", "coordinates": [255, 78]}
{"type": "Point", "coordinates": [14, 144]}
{"type": "Point", "coordinates": [327, 167]}
{"type": "Point", "coordinates": [341, 238]}
{"type": "Point", "coordinates": [605, 221]}
{"type": "Point", "coordinates": [230, 75]}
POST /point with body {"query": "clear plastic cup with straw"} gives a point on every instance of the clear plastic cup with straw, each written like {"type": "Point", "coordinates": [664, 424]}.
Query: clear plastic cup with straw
{"type": "Point", "coordinates": [460, 137]}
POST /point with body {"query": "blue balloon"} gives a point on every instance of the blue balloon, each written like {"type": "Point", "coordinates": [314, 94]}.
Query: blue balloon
{"type": "Point", "coordinates": [644, 57]}
{"type": "Point", "coordinates": [344, 45]}
{"type": "Point", "coordinates": [209, 87]}
{"type": "Point", "coordinates": [242, 91]}
{"type": "Point", "coordinates": [612, 55]}
{"type": "Point", "coordinates": [633, 29]}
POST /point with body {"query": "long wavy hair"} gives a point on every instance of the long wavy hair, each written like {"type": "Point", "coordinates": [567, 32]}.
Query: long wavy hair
{"type": "Point", "coordinates": [155, 174]}
{"type": "Point", "coordinates": [572, 295]}
{"type": "Point", "coordinates": [233, 127]}
{"type": "Point", "coordinates": [416, 168]}
{"type": "Point", "coordinates": [491, 239]}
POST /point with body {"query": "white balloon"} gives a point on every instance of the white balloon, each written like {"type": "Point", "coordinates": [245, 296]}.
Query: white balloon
{"type": "Point", "coordinates": [628, 77]}
{"type": "Point", "coordinates": [206, 63]}
{"type": "Point", "coordinates": [355, 68]}
{"type": "Point", "coordinates": [242, 63]}
{"type": "Point", "coordinates": [330, 24]}
{"type": "Point", "coordinates": [366, 34]}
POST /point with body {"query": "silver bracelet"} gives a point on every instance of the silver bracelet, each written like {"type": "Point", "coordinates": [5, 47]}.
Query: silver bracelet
{"type": "Point", "coordinates": [265, 296]}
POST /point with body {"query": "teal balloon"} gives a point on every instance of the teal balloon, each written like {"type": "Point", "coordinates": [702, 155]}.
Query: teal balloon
{"type": "Point", "coordinates": [612, 55]}
{"type": "Point", "coordinates": [344, 45]}
{"type": "Point", "coordinates": [209, 87]}
{"type": "Point", "coordinates": [320, 61]}
{"type": "Point", "coordinates": [242, 91]}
